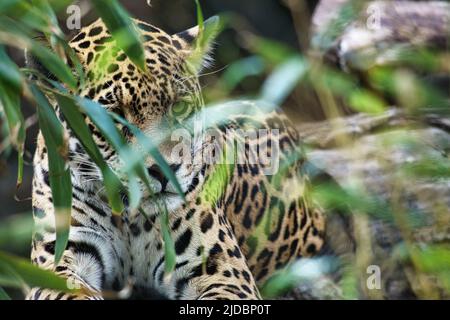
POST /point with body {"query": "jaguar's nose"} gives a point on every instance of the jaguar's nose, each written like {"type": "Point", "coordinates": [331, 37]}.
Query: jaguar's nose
{"type": "Point", "coordinates": [155, 172]}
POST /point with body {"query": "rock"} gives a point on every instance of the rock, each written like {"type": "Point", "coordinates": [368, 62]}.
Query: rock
{"type": "Point", "coordinates": [402, 163]}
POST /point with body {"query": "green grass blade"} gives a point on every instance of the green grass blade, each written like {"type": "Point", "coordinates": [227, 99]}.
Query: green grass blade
{"type": "Point", "coordinates": [54, 125]}
{"type": "Point", "coordinates": [19, 170]}
{"type": "Point", "coordinates": [169, 246]}
{"type": "Point", "coordinates": [200, 19]}
{"type": "Point", "coordinates": [11, 267]}
{"type": "Point", "coordinates": [59, 173]}
{"type": "Point", "coordinates": [134, 193]}
{"type": "Point", "coordinates": [366, 101]}
{"type": "Point", "coordinates": [102, 120]}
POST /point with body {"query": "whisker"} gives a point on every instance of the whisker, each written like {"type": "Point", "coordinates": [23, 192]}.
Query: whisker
{"type": "Point", "coordinates": [213, 72]}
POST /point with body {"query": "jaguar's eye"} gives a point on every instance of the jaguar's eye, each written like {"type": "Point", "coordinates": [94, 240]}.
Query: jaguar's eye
{"type": "Point", "coordinates": [179, 108]}
{"type": "Point", "coordinates": [182, 109]}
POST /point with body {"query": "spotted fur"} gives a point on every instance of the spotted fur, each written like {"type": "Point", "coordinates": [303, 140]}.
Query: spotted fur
{"type": "Point", "coordinates": [226, 244]}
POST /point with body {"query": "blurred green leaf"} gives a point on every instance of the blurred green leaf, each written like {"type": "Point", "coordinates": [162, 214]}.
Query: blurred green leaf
{"type": "Point", "coordinates": [59, 173]}
{"type": "Point", "coordinates": [15, 231]}
{"type": "Point", "coordinates": [60, 5]}
{"type": "Point", "coordinates": [420, 58]}
{"type": "Point", "coordinates": [349, 283]}
{"type": "Point", "coordinates": [437, 168]}
{"type": "Point", "coordinates": [46, 11]}
{"type": "Point", "coordinates": [4, 295]}
{"type": "Point", "coordinates": [283, 80]}
{"type": "Point", "coordinates": [123, 29]}
{"type": "Point", "coordinates": [350, 199]}
{"type": "Point", "coordinates": [241, 69]}
{"type": "Point", "coordinates": [408, 89]}
{"type": "Point", "coordinates": [9, 72]}
{"type": "Point", "coordinates": [365, 101]}
{"type": "Point", "coordinates": [29, 15]}
{"type": "Point", "coordinates": [134, 192]}
{"type": "Point", "coordinates": [36, 14]}
{"type": "Point", "coordinates": [279, 284]}
{"type": "Point", "coordinates": [7, 4]}
{"type": "Point", "coordinates": [14, 270]}
{"type": "Point", "coordinates": [273, 52]}
{"type": "Point", "coordinates": [56, 37]}
{"type": "Point", "coordinates": [10, 100]}
{"type": "Point", "coordinates": [11, 106]}
{"type": "Point", "coordinates": [339, 83]}
{"type": "Point", "coordinates": [432, 259]}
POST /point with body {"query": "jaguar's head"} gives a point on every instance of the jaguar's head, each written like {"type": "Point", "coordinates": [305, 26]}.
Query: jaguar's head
{"type": "Point", "coordinates": [156, 99]}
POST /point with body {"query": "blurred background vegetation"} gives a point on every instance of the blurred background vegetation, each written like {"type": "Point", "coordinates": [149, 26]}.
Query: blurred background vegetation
{"type": "Point", "coordinates": [369, 93]}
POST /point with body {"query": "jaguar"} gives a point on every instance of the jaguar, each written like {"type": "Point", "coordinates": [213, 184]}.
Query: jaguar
{"type": "Point", "coordinates": [233, 226]}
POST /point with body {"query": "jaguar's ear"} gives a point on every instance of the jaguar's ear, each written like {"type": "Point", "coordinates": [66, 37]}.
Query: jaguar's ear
{"type": "Point", "coordinates": [197, 43]}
